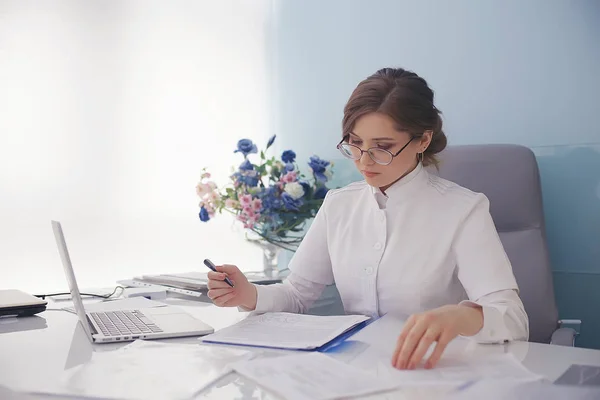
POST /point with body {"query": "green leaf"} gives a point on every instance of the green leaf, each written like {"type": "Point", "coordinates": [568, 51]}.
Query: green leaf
{"type": "Point", "coordinates": [262, 155]}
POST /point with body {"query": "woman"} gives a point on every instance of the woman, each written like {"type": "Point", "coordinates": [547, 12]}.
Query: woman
{"type": "Point", "coordinates": [401, 241]}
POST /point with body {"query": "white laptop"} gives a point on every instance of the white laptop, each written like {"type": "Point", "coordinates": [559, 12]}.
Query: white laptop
{"type": "Point", "coordinates": [127, 325]}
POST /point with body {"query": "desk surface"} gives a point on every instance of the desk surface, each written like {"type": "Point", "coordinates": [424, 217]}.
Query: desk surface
{"type": "Point", "coordinates": [45, 346]}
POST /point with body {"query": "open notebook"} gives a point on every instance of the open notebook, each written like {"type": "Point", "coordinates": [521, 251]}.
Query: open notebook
{"type": "Point", "coordinates": [288, 331]}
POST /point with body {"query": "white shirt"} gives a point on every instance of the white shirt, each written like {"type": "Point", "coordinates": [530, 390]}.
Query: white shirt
{"type": "Point", "coordinates": [425, 243]}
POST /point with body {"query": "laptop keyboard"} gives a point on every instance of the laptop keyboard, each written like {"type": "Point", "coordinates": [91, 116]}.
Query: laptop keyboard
{"type": "Point", "coordinates": [117, 323]}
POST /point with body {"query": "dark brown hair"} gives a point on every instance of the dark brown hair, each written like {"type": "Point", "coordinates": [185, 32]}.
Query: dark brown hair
{"type": "Point", "coordinates": [403, 96]}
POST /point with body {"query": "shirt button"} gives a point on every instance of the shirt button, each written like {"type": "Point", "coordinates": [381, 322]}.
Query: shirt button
{"type": "Point", "coordinates": [377, 246]}
{"type": "Point", "coordinates": [369, 270]}
{"type": "Point", "coordinates": [382, 217]}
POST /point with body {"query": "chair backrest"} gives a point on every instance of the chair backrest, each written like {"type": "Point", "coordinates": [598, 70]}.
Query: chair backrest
{"type": "Point", "coordinates": [508, 175]}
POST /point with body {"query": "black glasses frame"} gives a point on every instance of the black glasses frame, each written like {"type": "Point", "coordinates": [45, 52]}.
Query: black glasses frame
{"type": "Point", "coordinates": [368, 151]}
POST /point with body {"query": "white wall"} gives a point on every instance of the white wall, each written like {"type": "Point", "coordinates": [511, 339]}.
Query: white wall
{"type": "Point", "coordinates": [108, 112]}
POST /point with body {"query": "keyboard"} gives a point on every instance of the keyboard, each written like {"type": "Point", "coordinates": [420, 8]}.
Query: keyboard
{"type": "Point", "coordinates": [117, 323]}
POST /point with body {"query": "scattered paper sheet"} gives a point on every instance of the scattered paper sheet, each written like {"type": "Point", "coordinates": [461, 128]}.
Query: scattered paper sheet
{"type": "Point", "coordinates": [286, 330]}
{"type": "Point", "coordinates": [311, 376]}
{"type": "Point", "coordinates": [372, 348]}
{"type": "Point", "coordinates": [500, 390]}
{"type": "Point", "coordinates": [132, 303]}
{"type": "Point", "coordinates": [449, 370]}
{"type": "Point", "coordinates": [151, 370]}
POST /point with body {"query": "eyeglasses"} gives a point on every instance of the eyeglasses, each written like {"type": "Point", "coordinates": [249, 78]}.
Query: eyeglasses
{"type": "Point", "coordinates": [378, 155]}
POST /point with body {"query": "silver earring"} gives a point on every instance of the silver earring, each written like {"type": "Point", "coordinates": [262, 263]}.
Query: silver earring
{"type": "Point", "coordinates": [420, 157]}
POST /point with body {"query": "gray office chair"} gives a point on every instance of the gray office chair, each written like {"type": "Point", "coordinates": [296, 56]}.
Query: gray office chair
{"type": "Point", "coordinates": [508, 175]}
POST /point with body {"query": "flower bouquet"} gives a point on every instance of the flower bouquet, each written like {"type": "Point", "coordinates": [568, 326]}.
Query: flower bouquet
{"type": "Point", "coordinates": [272, 198]}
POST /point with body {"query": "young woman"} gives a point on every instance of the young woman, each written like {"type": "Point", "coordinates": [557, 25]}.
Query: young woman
{"type": "Point", "coordinates": [402, 241]}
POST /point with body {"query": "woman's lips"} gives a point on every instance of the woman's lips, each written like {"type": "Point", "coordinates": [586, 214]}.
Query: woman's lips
{"type": "Point", "coordinates": [370, 174]}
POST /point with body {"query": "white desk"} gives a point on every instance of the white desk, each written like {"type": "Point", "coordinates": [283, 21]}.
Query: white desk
{"type": "Point", "coordinates": [35, 351]}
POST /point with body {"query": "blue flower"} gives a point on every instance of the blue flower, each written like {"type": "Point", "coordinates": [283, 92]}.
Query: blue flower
{"type": "Point", "coordinates": [305, 186]}
{"type": "Point", "coordinates": [245, 146]}
{"type": "Point", "coordinates": [203, 214]}
{"type": "Point", "coordinates": [289, 167]}
{"type": "Point", "coordinates": [288, 156]}
{"type": "Point", "coordinates": [318, 166]}
{"type": "Point", "coordinates": [321, 192]}
{"type": "Point", "coordinates": [270, 142]}
{"type": "Point", "coordinates": [246, 166]}
{"type": "Point", "coordinates": [270, 202]}
{"type": "Point", "coordinates": [246, 177]}
{"type": "Point", "coordinates": [290, 203]}
{"type": "Point", "coordinates": [251, 181]}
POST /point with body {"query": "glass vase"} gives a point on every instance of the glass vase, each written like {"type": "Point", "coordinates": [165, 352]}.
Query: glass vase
{"type": "Point", "coordinates": [270, 257]}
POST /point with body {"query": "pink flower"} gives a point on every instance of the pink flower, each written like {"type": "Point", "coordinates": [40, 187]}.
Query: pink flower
{"type": "Point", "coordinates": [231, 203]}
{"type": "Point", "coordinates": [213, 197]}
{"type": "Point", "coordinates": [205, 175]}
{"type": "Point", "coordinates": [248, 212]}
{"type": "Point", "coordinates": [289, 177]}
{"type": "Point", "coordinates": [253, 220]}
{"type": "Point", "coordinates": [246, 200]}
{"type": "Point", "coordinates": [245, 220]}
{"type": "Point", "coordinates": [203, 189]}
{"type": "Point", "coordinates": [210, 209]}
{"type": "Point", "coordinates": [256, 204]}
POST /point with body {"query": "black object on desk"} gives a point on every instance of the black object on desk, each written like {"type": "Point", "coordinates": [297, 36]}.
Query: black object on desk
{"type": "Point", "coordinates": [576, 374]}
{"type": "Point", "coordinates": [20, 304]}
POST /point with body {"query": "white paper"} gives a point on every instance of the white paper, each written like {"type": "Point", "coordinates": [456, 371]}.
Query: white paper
{"type": "Point", "coordinates": [311, 376]}
{"type": "Point", "coordinates": [286, 330]}
{"type": "Point", "coordinates": [151, 370]}
{"type": "Point", "coordinates": [500, 390]}
{"type": "Point", "coordinates": [132, 303]}
{"type": "Point", "coordinates": [449, 370]}
{"type": "Point", "coordinates": [372, 348]}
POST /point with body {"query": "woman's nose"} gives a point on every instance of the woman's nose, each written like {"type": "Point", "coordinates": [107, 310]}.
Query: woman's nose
{"type": "Point", "coordinates": [365, 158]}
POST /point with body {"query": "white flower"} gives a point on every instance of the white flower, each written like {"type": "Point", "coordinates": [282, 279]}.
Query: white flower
{"type": "Point", "coordinates": [294, 189]}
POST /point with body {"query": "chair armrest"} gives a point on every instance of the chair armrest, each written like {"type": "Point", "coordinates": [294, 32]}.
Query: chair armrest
{"type": "Point", "coordinates": [564, 337]}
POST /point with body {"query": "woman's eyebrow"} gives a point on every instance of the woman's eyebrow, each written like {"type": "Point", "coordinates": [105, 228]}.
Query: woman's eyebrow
{"type": "Point", "coordinates": [379, 138]}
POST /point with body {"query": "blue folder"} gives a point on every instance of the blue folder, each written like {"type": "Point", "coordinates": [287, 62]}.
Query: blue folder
{"type": "Point", "coordinates": [327, 347]}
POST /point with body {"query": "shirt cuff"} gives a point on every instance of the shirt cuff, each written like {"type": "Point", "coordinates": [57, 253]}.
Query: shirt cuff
{"type": "Point", "coordinates": [258, 298]}
{"type": "Point", "coordinates": [494, 329]}
{"type": "Point", "coordinates": [264, 299]}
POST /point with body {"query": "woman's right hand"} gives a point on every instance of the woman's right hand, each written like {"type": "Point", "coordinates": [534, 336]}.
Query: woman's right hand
{"type": "Point", "coordinates": [243, 293]}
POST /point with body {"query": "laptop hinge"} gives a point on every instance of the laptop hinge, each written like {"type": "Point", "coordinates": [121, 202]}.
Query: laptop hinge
{"type": "Point", "coordinates": [94, 330]}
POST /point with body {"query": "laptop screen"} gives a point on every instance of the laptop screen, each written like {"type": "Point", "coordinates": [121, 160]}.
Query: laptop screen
{"type": "Point", "coordinates": [70, 275]}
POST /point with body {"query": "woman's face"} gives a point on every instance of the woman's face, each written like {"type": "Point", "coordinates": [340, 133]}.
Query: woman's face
{"type": "Point", "coordinates": [377, 130]}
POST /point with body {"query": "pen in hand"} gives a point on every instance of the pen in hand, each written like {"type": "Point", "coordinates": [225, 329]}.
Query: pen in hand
{"type": "Point", "coordinates": [210, 265]}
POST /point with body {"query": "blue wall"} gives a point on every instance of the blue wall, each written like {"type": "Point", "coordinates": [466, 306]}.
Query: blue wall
{"type": "Point", "coordinates": [525, 72]}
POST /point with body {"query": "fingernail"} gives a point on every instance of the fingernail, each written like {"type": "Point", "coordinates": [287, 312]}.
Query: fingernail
{"type": "Point", "coordinates": [411, 366]}
{"type": "Point", "coordinates": [428, 365]}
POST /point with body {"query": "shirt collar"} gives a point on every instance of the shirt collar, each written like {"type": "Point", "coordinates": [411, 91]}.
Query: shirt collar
{"type": "Point", "coordinates": [401, 188]}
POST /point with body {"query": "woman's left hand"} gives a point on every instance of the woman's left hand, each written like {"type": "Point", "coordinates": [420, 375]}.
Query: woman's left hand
{"type": "Point", "coordinates": [440, 325]}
